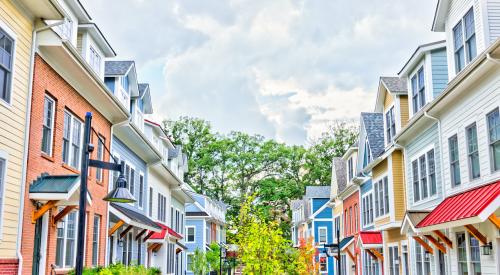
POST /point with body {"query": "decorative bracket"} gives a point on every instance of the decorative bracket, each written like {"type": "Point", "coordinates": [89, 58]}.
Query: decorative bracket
{"type": "Point", "coordinates": [39, 212]}
{"type": "Point", "coordinates": [436, 243]}
{"type": "Point", "coordinates": [62, 214]}
{"type": "Point", "coordinates": [425, 245]}
{"type": "Point", "coordinates": [478, 235]}
{"type": "Point", "coordinates": [443, 238]}
{"type": "Point", "coordinates": [115, 227]}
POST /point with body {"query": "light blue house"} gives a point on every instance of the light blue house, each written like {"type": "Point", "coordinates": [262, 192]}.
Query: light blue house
{"type": "Point", "coordinates": [205, 224]}
{"type": "Point", "coordinates": [129, 223]}
{"type": "Point", "coordinates": [427, 76]}
{"type": "Point", "coordinates": [314, 218]}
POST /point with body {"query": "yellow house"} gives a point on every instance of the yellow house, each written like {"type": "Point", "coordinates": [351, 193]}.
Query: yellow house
{"type": "Point", "coordinates": [387, 172]}
{"type": "Point", "coordinates": [17, 28]}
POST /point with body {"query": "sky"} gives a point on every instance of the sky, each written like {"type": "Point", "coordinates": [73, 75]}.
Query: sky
{"type": "Point", "coordinates": [284, 69]}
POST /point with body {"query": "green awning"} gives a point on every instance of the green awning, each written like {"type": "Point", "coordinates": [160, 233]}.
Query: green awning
{"type": "Point", "coordinates": [62, 188]}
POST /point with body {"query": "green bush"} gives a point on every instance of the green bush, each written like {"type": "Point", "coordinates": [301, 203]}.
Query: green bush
{"type": "Point", "coordinates": [120, 269]}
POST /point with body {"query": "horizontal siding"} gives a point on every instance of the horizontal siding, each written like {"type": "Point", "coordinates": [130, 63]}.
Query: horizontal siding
{"type": "Point", "coordinates": [439, 65]}
{"type": "Point", "coordinates": [419, 145]}
{"type": "Point", "coordinates": [398, 185]}
{"type": "Point", "coordinates": [13, 123]}
{"type": "Point", "coordinates": [405, 110]}
{"type": "Point", "coordinates": [383, 221]}
{"type": "Point", "coordinates": [493, 7]}
{"type": "Point", "coordinates": [379, 169]}
{"type": "Point", "coordinates": [388, 100]}
{"type": "Point", "coordinates": [198, 236]}
{"type": "Point", "coordinates": [473, 106]}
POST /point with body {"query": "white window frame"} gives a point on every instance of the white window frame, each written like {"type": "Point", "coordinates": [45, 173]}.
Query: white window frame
{"type": "Point", "coordinates": [12, 35]}
{"type": "Point", "coordinates": [189, 254]}
{"type": "Point", "coordinates": [390, 140]}
{"type": "Point", "coordinates": [71, 156]}
{"type": "Point", "coordinates": [94, 56]}
{"type": "Point", "coordinates": [52, 122]}
{"type": "Point", "coordinates": [490, 142]}
{"type": "Point", "coordinates": [140, 194]}
{"type": "Point", "coordinates": [320, 228]}
{"type": "Point", "coordinates": [187, 233]}
{"type": "Point", "coordinates": [376, 183]}
{"type": "Point", "coordinates": [415, 74]}
{"type": "Point", "coordinates": [99, 172]}
{"type": "Point", "coordinates": [64, 222]}
{"type": "Point", "coordinates": [461, 21]}
{"type": "Point", "coordinates": [457, 161]}
{"type": "Point", "coordinates": [365, 200]}
{"type": "Point", "coordinates": [319, 264]}
{"type": "Point", "coordinates": [392, 261]}
{"type": "Point", "coordinates": [4, 164]}
{"type": "Point", "coordinates": [98, 239]}
{"type": "Point", "coordinates": [423, 153]}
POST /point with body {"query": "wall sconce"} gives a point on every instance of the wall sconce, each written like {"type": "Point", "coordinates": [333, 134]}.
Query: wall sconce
{"type": "Point", "coordinates": [155, 253]}
{"type": "Point", "coordinates": [486, 249]}
{"type": "Point", "coordinates": [120, 243]}
{"type": "Point", "coordinates": [353, 267]}
{"type": "Point", "coordinates": [60, 225]}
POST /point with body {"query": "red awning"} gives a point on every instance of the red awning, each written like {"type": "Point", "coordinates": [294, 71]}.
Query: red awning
{"type": "Point", "coordinates": [164, 231]}
{"type": "Point", "coordinates": [370, 238]}
{"type": "Point", "coordinates": [472, 206]}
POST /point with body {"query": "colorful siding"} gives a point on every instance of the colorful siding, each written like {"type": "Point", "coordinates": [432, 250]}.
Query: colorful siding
{"type": "Point", "coordinates": [439, 65]}
{"type": "Point", "coordinates": [12, 127]}
{"type": "Point", "coordinates": [379, 170]}
{"type": "Point", "coordinates": [405, 111]}
{"type": "Point", "coordinates": [398, 185]}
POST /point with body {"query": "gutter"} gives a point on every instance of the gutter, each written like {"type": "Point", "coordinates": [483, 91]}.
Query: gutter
{"type": "Point", "coordinates": [27, 136]}
{"type": "Point", "coordinates": [440, 139]}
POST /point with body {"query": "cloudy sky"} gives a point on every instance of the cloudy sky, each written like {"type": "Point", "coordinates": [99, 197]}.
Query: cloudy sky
{"type": "Point", "coordinates": [284, 69]}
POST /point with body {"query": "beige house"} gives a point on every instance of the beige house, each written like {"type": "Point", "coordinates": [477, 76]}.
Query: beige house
{"type": "Point", "coordinates": [17, 28]}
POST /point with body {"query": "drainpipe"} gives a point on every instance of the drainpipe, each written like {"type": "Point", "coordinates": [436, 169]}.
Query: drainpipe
{"type": "Point", "coordinates": [26, 136]}
{"type": "Point", "coordinates": [426, 114]}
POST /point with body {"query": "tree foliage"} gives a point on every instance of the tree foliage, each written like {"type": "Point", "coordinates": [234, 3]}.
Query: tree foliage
{"type": "Point", "coordinates": [234, 166]}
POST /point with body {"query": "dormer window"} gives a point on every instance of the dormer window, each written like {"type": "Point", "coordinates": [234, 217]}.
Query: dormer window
{"type": "Point", "coordinates": [95, 60]}
{"type": "Point", "coordinates": [367, 155]}
{"type": "Point", "coordinates": [390, 125]}
{"type": "Point", "coordinates": [418, 90]}
{"type": "Point", "coordinates": [464, 41]}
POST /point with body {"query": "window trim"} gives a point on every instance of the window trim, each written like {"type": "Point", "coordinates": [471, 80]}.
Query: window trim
{"type": "Point", "coordinates": [71, 142]}
{"type": "Point", "coordinates": [366, 196]}
{"type": "Point", "coordinates": [4, 157]}
{"type": "Point", "coordinates": [319, 264]}
{"type": "Point", "coordinates": [64, 220]}
{"type": "Point", "coordinates": [490, 143]}
{"type": "Point", "coordinates": [187, 233]}
{"type": "Point", "coordinates": [52, 121]}
{"type": "Point", "coordinates": [377, 182]}
{"type": "Point", "coordinates": [140, 199]}
{"type": "Point", "coordinates": [10, 32]}
{"type": "Point", "coordinates": [93, 53]}
{"type": "Point", "coordinates": [416, 158]}
{"type": "Point", "coordinates": [187, 262]}
{"type": "Point", "coordinates": [388, 131]}
{"type": "Point", "coordinates": [99, 172]}
{"type": "Point", "coordinates": [392, 261]}
{"type": "Point", "coordinates": [319, 235]}
{"type": "Point", "coordinates": [457, 162]}
{"type": "Point", "coordinates": [469, 163]}
{"type": "Point", "coordinates": [98, 239]}
{"type": "Point", "coordinates": [461, 22]}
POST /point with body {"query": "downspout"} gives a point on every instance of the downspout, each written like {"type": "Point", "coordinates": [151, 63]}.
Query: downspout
{"type": "Point", "coordinates": [426, 114]}
{"type": "Point", "coordinates": [26, 137]}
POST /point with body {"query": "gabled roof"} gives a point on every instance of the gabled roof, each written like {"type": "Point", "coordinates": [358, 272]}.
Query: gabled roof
{"type": "Point", "coordinates": [394, 84]}
{"type": "Point", "coordinates": [440, 15]}
{"type": "Point", "coordinates": [117, 68]}
{"type": "Point", "coordinates": [145, 94]}
{"type": "Point", "coordinates": [54, 184]}
{"type": "Point", "coordinates": [318, 192]}
{"type": "Point", "coordinates": [97, 35]}
{"type": "Point", "coordinates": [340, 173]}
{"type": "Point", "coordinates": [134, 218]}
{"type": "Point", "coordinates": [374, 127]}
{"type": "Point", "coordinates": [418, 55]}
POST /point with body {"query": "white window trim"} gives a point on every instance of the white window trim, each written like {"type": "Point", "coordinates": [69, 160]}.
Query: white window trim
{"type": "Point", "coordinates": [187, 265]}
{"type": "Point", "coordinates": [70, 154]}
{"type": "Point", "coordinates": [98, 240]}
{"type": "Point", "coordinates": [452, 46]}
{"type": "Point", "coordinates": [319, 235]}
{"type": "Point", "coordinates": [385, 123]}
{"type": "Point", "coordinates": [141, 207]}
{"type": "Point", "coordinates": [52, 121]}
{"type": "Point", "coordinates": [3, 178]}
{"type": "Point", "coordinates": [373, 207]}
{"type": "Point", "coordinates": [389, 187]}
{"type": "Point", "coordinates": [12, 35]}
{"type": "Point", "coordinates": [132, 167]}
{"type": "Point", "coordinates": [65, 241]}
{"type": "Point", "coordinates": [187, 233]}
{"type": "Point", "coordinates": [397, 257]}
{"type": "Point", "coordinates": [101, 177]}
{"type": "Point", "coordinates": [416, 157]}
{"type": "Point", "coordinates": [448, 163]}
{"type": "Point", "coordinates": [319, 267]}
{"type": "Point", "coordinates": [428, 96]}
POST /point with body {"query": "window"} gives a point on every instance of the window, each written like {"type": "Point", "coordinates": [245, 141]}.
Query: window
{"type": "Point", "coordinates": [418, 90]}
{"type": "Point", "coordinates": [100, 156]}
{"type": "Point", "coordinates": [177, 220]}
{"type": "Point", "coordinates": [343, 264]}
{"type": "Point", "coordinates": [162, 207]}
{"type": "Point", "coordinates": [127, 249]}
{"type": "Point", "coordinates": [424, 176]}
{"type": "Point", "coordinates": [345, 222]}
{"type": "Point", "coordinates": [472, 251]}
{"type": "Point", "coordinates": [350, 167]}
{"type": "Point", "coordinates": [6, 60]}
{"type": "Point", "coordinates": [405, 260]}
{"type": "Point", "coordinates": [422, 260]}
{"type": "Point", "coordinates": [3, 165]}
{"type": "Point", "coordinates": [48, 125]}
{"type": "Point", "coordinates": [351, 230]}
{"type": "Point", "coordinates": [141, 190]}
{"type": "Point", "coordinates": [322, 233]}
{"type": "Point", "coordinates": [130, 176]}
{"type": "Point", "coordinates": [95, 240]}
{"type": "Point", "coordinates": [367, 155]}
{"type": "Point", "coordinates": [454, 161]}
{"type": "Point", "coordinates": [472, 151]}
{"type": "Point", "coordinates": [371, 266]}
{"type": "Point", "coordinates": [66, 241]}
{"type": "Point", "coordinates": [323, 264]}
{"type": "Point", "coordinates": [367, 209]}
{"type": "Point", "coordinates": [494, 138]}
{"type": "Point", "coordinates": [464, 34]}
{"type": "Point", "coordinates": [139, 251]}
{"type": "Point", "coordinates": [382, 197]}
{"type": "Point", "coordinates": [390, 125]}
{"type": "Point", "coordinates": [95, 60]}
{"type": "Point", "coordinates": [189, 262]}
{"type": "Point", "coordinates": [356, 218]}
{"type": "Point", "coordinates": [393, 260]}
{"type": "Point", "coordinates": [190, 234]}
{"type": "Point", "coordinates": [150, 206]}
{"type": "Point", "coordinates": [72, 140]}
{"type": "Point", "coordinates": [124, 83]}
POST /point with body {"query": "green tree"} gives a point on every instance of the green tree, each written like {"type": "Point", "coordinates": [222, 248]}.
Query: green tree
{"type": "Point", "coordinates": [213, 257]}
{"type": "Point", "coordinates": [199, 264]}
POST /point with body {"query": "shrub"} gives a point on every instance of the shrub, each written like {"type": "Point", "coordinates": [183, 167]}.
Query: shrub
{"type": "Point", "coordinates": [120, 269]}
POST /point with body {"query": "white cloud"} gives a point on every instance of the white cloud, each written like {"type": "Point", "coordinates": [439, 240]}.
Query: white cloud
{"type": "Point", "coordinates": [281, 68]}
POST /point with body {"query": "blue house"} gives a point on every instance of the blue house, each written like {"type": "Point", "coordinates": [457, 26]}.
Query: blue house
{"type": "Point", "coordinates": [129, 223]}
{"type": "Point", "coordinates": [319, 223]}
{"type": "Point", "coordinates": [205, 224]}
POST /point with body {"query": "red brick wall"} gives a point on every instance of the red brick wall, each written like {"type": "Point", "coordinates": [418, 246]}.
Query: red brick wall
{"type": "Point", "coordinates": [350, 228]}
{"type": "Point", "coordinates": [9, 266]}
{"type": "Point", "coordinates": [47, 81]}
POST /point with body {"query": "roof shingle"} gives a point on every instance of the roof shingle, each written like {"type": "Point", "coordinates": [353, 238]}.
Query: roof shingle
{"type": "Point", "coordinates": [117, 67]}
{"type": "Point", "coordinates": [395, 84]}
{"type": "Point", "coordinates": [374, 127]}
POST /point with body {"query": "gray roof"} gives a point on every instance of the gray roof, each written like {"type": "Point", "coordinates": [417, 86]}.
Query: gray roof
{"type": "Point", "coordinates": [416, 217]}
{"type": "Point", "coordinates": [318, 191]}
{"type": "Point", "coordinates": [374, 127]}
{"type": "Point", "coordinates": [142, 88]}
{"type": "Point", "coordinates": [395, 84]}
{"type": "Point", "coordinates": [117, 67]}
{"type": "Point", "coordinates": [296, 204]}
{"type": "Point", "coordinates": [340, 173]}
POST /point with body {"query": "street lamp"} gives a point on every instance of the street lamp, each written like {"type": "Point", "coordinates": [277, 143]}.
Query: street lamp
{"type": "Point", "coordinates": [119, 194]}
{"type": "Point", "coordinates": [222, 255]}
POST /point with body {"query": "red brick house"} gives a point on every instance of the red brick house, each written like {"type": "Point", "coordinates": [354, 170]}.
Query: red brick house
{"type": "Point", "coordinates": [67, 83]}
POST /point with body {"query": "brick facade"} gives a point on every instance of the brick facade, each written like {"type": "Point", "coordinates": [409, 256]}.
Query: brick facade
{"type": "Point", "coordinates": [9, 266]}
{"type": "Point", "coordinates": [48, 81]}
{"type": "Point", "coordinates": [352, 225]}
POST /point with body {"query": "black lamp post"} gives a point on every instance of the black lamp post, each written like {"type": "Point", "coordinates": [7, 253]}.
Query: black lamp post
{"type": "Point", "coordinates": [119, 194]}
{"type": "Point", "coordinates": [222, 255]}
{"type": "Point", "coordinates": [333, 245]}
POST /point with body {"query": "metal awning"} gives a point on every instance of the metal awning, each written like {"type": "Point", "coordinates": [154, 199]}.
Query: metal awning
{"type": "Point", "coordinates": [133, 218]}
{"type": "Point", "coordinates": [61, 188]}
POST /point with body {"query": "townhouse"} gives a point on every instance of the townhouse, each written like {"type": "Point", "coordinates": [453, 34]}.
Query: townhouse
{"type": "Point", "coordinates": [205, 224]}
{"type": "Point", "coordinates": [19, 25]}
{"type": "Point", "coordinates": [339, 182]}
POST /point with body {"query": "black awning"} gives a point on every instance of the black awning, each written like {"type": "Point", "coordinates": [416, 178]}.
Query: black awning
{"type": "Point", "coordinates": [136, 218]}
